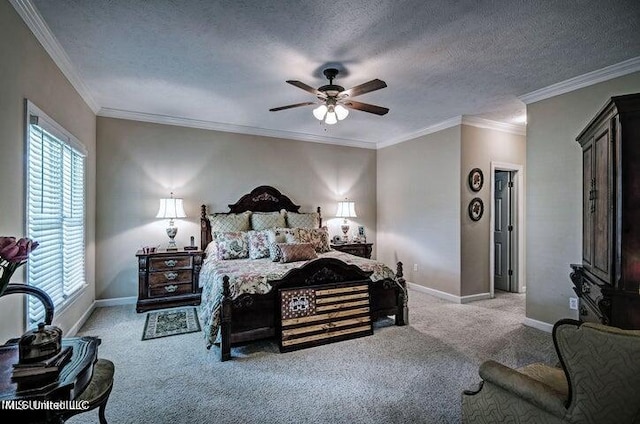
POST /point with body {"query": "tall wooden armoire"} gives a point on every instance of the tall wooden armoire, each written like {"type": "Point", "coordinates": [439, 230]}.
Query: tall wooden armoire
{"type": "Point", "coordinates": [608, 280]}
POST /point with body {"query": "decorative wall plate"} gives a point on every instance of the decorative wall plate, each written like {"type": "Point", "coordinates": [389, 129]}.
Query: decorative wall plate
{"type": "Point", "coordinates": [476, 179]}
{"type": "Point", "coordinates": [476, 209]}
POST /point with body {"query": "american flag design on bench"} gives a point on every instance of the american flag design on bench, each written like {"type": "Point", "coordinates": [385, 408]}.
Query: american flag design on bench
{"type": "Point", "coordinates": [318, 315]}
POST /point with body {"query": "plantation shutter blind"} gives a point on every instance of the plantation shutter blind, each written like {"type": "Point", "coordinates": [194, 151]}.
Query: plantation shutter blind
{"type": "Point", "coordinates": [55, 197]}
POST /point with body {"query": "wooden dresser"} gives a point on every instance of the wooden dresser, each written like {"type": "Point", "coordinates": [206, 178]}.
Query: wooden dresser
{"type": "Point", "coordinates": [357, 249]}
{"type": "Point", "coordinates": [608, 280]}
{"type": "Point", "coordinates": [167, 279]}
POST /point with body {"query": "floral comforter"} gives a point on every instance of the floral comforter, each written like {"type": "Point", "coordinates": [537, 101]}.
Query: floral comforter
{"type": "Point", "coordinates": [253, 276]}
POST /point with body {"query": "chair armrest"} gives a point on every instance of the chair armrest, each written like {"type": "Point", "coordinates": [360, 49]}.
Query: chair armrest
{"type": "Point", "coordinates": [523, 386]}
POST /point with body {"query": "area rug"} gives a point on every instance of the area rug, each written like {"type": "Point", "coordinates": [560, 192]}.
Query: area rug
{"type": "Point", "coordinates": [170, 323]}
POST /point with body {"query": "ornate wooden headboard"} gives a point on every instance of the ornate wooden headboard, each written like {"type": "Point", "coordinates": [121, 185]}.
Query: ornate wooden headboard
{"type": "Point", "coordinates": [261, 199]}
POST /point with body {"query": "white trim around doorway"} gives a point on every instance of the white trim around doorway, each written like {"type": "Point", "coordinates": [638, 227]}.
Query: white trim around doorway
{"type": "Point", "coordinates": [519, 169]}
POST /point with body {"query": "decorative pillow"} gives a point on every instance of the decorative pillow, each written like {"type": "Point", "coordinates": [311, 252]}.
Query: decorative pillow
{"type": "Point", "coordinates": [232, 245]}
{"type": "Point", "coordinates": [303, 220]}
{"type": "Point", "coordinates": [319, 237]}
{"type": "Point", "coordinates": [230, 222]}
{"type": "Point", "coordinates": [258, 244]}
{"type": "Point", "coordinates": [278, 235]}
{"type": "Point", "coordinates": [262, 220]}
{"type": "Point", "coordinates": [293, 252]}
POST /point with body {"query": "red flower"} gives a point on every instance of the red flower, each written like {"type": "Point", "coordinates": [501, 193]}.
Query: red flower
{"type": "Point", "coordinates": [16, 252]}
{"type": "Point", "coordinates": [13, 255]}
{"type": "Point", "coordinates": [6, 241]}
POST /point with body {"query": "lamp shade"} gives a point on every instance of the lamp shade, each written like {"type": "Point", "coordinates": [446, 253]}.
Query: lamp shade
{"type": "Point", "coordinates": [320, 112]}
{"type": "Point", "coordinates": [341, 112]}
{"type": "Point", "coordinates": [331, 118]}
{"type": "Point", "coordinates": [346, 209]}
{"type": "Point", "coordinates": [171, 208]}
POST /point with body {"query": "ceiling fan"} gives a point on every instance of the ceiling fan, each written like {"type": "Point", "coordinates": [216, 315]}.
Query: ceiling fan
{"type": "Point", "coordinates": [334, 99]}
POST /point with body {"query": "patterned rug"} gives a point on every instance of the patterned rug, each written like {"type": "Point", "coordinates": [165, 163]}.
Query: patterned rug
{"type": "Point", "coordinates": [170, 323]}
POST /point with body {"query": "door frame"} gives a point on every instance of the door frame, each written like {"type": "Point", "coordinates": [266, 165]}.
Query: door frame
{"type": "Point", "coordinates": [519, 230]}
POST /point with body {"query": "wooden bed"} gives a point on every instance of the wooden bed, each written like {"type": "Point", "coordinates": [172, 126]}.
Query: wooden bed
{"type": "Point", "coordinates": [252, 317]}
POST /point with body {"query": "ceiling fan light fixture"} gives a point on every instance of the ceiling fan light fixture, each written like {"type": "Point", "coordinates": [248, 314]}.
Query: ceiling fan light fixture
{"type": "Point", "coordinates": [341, 112]}
{"type": "Point", "coordinates": [320, 112]}
{"type": "Point", "coordinates": [331, 94]}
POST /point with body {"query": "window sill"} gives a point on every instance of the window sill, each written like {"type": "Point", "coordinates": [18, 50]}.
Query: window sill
{"type": "Point", "coordinates": [71, 299]}
{"type": "Point", "coordinates": [66, 304]}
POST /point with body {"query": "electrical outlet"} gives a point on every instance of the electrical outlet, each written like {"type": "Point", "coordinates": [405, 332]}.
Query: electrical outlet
{"type": "Point", "coordinates": [415, 267]}
{"type": "Point", "coordinates": [573, 303]}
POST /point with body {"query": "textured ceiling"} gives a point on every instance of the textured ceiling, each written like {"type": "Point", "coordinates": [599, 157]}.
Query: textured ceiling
{"type": "Point", "coordinates": [226, 62]}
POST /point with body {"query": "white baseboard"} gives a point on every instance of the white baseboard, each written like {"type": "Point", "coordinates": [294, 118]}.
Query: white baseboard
{"type": "Point", "coordinates": [474, 297]}
{"type": "Point", "coordinates": [540, 325]}
{"type": "Point", "coordinates": [73, 330]}
{"type": "Point", "coordinates": [99, 304]}
{"type": "Point", "coordinates": [448, 296]}
{"type": "Point", "coordinates": [116, 301]}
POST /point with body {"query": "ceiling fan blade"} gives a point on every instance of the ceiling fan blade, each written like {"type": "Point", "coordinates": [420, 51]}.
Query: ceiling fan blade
{"type": "Point", "coordinates": [307, 88]}
{"type": "Point", "coordinates": [275, 109]}
{"type": "Point", "coordinates": [366, 107]}
{"type": "Point", "coordinates": [367, 87]}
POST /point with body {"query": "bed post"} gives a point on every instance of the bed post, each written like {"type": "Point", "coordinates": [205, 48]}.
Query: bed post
{"type": "Point", "coordinates": [319, 217]}
{"type": "Point", "coordinates": [225, 320]}
{"type": "Point", "coordinates": [205, 228]}
{"type": "Point", "coordinates": [402, 315]}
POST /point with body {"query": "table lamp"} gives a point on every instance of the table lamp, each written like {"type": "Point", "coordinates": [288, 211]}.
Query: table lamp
{"type": "Point", "coordinates": [346, 209]}
{"type": "Point", "coordinates": [171, 208]}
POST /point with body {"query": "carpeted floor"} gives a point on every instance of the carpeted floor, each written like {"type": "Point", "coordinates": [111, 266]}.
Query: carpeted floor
{"type": "Point", "coordinates": [411, 374]}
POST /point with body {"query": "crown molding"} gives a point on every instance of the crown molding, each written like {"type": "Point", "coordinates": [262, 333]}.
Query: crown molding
{"type": "Point", "coordinates": [448, 123]}
{"type": "Point", "coordinates": [30, 15]}
{"type": "Point", "coordinates": [614, 71]}
{"type": "Point", "coordinates": [519, 129]}
{"type": "Point", "coordinates": [474, 121]}
{"type": "Point", "coordinates": [231, 128]}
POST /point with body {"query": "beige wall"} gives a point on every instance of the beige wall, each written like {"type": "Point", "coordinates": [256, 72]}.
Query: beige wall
{"type": "Point", "coordinates": [27, 72]}
{"type": "Point", "coordinates": [419, 208]}
{"type": "Point", "coordinates": [554, 185]}
{"type": "Point", "coordinates": [138, 163]}
{"type": "Point", "coordinates": [480, 147]}
{"type": "Point", "coordinates": [413, 194]}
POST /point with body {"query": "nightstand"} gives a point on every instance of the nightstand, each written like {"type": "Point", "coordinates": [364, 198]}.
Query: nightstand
{"type": "Point", "coordinates": [357, 249]}
{"type": "Point", "coordinates": [167, 279]}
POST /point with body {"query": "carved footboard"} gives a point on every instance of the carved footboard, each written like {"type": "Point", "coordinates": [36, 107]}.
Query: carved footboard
{"type": "Point", "coordinates": [255, 316]}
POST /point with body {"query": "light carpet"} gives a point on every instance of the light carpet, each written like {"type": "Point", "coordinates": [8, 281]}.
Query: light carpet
{"type": "Point", "coordinates": [411, 374]}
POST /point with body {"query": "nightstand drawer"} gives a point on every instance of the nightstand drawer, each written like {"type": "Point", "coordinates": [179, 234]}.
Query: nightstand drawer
{"type": "Point", "coordinates": [170, 289]}
{"type": "Point", "coordinates": [169, 263]}
{"type": "Point", "coordinates": [170, 277]}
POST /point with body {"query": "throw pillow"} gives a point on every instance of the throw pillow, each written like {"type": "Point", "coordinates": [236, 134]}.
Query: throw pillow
{"type": "Point", "coordinates": [258, 244]}
{"type": "Point", "coordinates": [263, 220]}
{"type": "Point", "coordinates": [319, 237]}
{"type": "Point", "coordinates": [293, 252]}
{"type": "Point", "coordinates": [230, 222]}
{"type": "Point", "coordinates": [232, 245]}
{"type": "Point", "coordinates": [303, 220]}
{"type": "Point", "coordinates": [278, 235]}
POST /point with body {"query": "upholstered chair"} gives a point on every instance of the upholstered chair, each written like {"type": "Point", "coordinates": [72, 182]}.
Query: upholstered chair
{"type": "Point", "coordinates": [597, 381]}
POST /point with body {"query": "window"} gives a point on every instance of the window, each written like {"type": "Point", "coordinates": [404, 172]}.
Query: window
{"type": "Point", "coordinates": [55, 211]}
